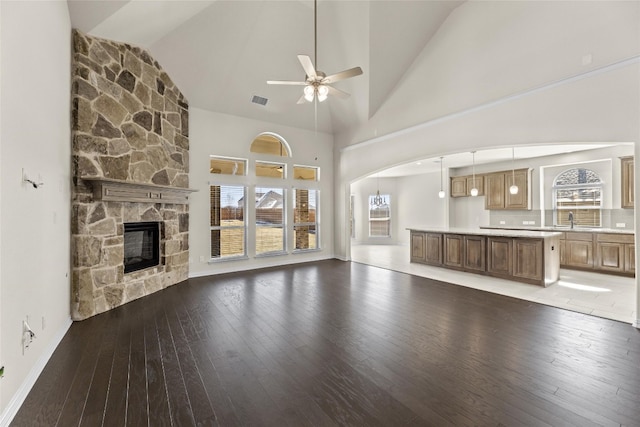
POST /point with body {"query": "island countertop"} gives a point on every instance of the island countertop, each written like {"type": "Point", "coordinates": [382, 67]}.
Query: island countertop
{"type": "Point", "coordinates": [488, 232]}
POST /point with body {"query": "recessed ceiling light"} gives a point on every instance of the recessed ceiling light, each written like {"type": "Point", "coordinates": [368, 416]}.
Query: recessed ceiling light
{"type": "Point", "coordinates": [418, 163]}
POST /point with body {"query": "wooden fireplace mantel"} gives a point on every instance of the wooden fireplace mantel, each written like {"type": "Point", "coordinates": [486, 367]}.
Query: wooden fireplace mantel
{"type": "Point", "coordinates": [114, 190]}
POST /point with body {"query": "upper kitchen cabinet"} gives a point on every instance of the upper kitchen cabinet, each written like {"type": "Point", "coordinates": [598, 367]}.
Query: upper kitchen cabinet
{"type": "Point", "coordinates": [461, 185]}
{"type": "Point", "coordinates": [626, 165]}
{"type": "Point", "coordinates": [497, 192]}
{"type": "Point", "coordinates": [458, 186]}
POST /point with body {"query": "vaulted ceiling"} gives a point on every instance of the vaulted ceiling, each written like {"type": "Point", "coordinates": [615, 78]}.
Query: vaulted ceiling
{"type": "Point", "coordinates": [221, 53]}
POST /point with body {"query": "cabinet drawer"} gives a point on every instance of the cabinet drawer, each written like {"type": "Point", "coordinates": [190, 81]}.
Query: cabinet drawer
{"type": "Point", "coordinates": [615, 238]}
{"type": "Point", "coordinates": [575, 235]}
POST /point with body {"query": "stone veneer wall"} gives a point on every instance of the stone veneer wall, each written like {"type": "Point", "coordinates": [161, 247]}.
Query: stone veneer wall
{"type": "Point", "coordinates": [131, 123]}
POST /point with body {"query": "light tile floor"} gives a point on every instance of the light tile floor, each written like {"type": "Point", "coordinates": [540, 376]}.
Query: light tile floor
{"type": "Point", "coordinates": [603, 295]}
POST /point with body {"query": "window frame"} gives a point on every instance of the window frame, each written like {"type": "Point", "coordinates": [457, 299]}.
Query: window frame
{"type": "Point", "coordinates": [245, 163]}
{"type": "Point", "coordinates": [587, 186]}
{"type": "Point", "coordinates": [244, 227]}
{"type": "Point", "coordinates": [387, 198]}
{"type": "Point", "coordinates": [315, 224]}
{"type": "Point", "coordinates": [283, 225]}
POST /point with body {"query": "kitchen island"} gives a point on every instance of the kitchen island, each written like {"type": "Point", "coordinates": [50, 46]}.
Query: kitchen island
{"type": "Point", "coordinates": [520, 255]}
{"type": "Point", "coordinates": [597, 249]}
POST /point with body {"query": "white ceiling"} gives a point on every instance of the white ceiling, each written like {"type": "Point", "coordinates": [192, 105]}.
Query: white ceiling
{"type": "Point", "coordinates": [220, 53]}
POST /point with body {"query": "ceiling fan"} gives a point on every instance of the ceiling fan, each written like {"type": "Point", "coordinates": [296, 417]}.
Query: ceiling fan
{"type": "Point", "coordinates": [317, 84]}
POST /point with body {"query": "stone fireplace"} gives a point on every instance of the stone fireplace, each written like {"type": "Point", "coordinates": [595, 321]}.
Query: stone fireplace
{"type": "Point", "coordinates": [130, 146]}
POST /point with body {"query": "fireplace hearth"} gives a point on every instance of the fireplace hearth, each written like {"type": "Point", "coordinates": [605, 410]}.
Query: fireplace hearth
{"type": "Point", "coordinates": [141, 245]}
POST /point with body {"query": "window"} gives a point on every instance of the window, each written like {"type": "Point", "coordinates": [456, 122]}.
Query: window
{"type": "Point", "coordinates": [307, 173]}
{"type": "Point", "coordinates": [228, 228]}
{"type": "Point", "coordinates": [305, 222]}
{"type": "Point", "coordinates": [270, 220]}
{"type": "Point", "coordinates": [380, 217]}
{"type": "Point", "coordinates": [578, 191]}
{"type": "Point", "coordinates": [267, 143]}
{"type": "Point", "coordinates": [270, 170]}
{"type": "Point", "coordinates": [227, 165]}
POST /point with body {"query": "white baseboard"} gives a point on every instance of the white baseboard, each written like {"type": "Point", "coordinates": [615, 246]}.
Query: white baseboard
{"type": "Point", "coordinates": [18, 398]}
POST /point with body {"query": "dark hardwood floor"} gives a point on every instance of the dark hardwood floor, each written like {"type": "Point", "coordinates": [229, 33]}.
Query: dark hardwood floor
{"type": "Point", "coordinates": [338, 343]}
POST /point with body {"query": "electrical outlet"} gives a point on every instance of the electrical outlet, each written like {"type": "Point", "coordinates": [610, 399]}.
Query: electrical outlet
{"type": "Point", "coordinates": [202, 258]}
{"type": "Point", "coordinates": [44, 323]}
{"type": "Point", "coordinates": [525, 222]}
{"type": "Point", "coordinates": [503, 222]}
{"type": "Point", "coordinates": [621, 224]}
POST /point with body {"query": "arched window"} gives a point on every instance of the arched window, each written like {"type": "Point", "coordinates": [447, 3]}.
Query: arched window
{"type": "Point", "coordinates": [264, 187]}
{"type": "Point", "coordinates": [578, 191]}
{"type": "Point", "coordinates": [270, 143]}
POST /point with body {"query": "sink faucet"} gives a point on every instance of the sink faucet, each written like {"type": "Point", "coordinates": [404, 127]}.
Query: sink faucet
{"type": "Point", "coordinates": [570, 219]}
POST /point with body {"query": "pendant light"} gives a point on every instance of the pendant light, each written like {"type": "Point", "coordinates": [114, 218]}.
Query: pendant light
{"type": "Point", "coordinates": [378, 200]}
{"type": "Point", "coordinates": [514, 188]}
{"type": "Point", "coordinates": [474, 190]}
{"type": "Point", "coordinates": [441, 192]}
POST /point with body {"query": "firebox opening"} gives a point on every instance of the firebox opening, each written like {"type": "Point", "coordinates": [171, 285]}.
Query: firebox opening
{"type": "Point", "coordinates": [141, 245]}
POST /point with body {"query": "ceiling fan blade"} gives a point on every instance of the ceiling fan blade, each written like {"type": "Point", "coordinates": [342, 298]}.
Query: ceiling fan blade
{"type": "Point", "coordinates": [337, 92]}
{"type": "Point", "coordinates": [307, 65]}
{"type": "Point", "coordinates": [285, 82]}
{"type": "Point", "coordinates": [352, 72]}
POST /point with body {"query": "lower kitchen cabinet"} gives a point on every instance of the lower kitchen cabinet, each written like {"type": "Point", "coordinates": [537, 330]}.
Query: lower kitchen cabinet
{"type": "Point", "coordinates": [630, 258]}
{"type": "Point", "coordinates": [578, 250]}
{"type": "Point", "coordinates": [500, 260]}
{"type": "Point", "coordinates": [418, 249]}
{"type": "Point", "coordinates": [434, 248]}
{"type": "Point", "coordinates": [528, 259]}
{"type": "Point", "coordinates": [453, 250]}
{"type": "Point", "coordinates": [475, 253]}
{"type": "Point", "coordinates": [614, 252]}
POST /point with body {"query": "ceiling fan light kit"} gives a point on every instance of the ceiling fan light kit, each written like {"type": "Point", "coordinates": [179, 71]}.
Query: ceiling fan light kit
{"type": "Point", "coordinates": [316, 84]}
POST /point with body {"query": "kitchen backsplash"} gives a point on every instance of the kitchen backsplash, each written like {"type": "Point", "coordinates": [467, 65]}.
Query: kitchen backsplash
{"type": "Point", "coordinates": [611, 218]}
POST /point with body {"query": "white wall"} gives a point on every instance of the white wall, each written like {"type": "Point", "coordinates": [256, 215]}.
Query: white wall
{"type": "Point", "coordinates": [414, 203]}
{"type": "Point", "coordinates": [224, 135]}
{"type": "Point", "coordinates": [35, 223]}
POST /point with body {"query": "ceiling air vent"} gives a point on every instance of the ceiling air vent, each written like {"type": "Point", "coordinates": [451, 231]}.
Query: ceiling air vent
{"type": "Point", "coordinates": [259, 100]}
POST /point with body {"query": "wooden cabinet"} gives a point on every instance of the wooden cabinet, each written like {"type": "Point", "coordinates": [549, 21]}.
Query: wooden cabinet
{"type": "Point", "coordinates": [461, 185]}
{"type": "Point", "coordinates": [528, 259]}
{"type": "Point", "coordinates": [630, 259]}
{"type": "Point", "coordinates": [615, 252]}
{"type": "Point", "coordinates": [479, 183]}
{"type": "Point", "coordinates": [627, 165]}
{"type": "Point", "coordinates": [458, 186]}
{"type": "Point", "coordinates": [453, 250]}
{"type": "Point", "coordinates": [494, 191]}
{"type": "Point", "coordinates": [426, 248]}
{"type": "Point", "coordinates": [521, 199]}
{"type": "Point", "coordinates": [418, 248]}
{"type": "Point", "coordinates": [578, 250]}
{"type": "Point", "coordinates": [434, 248]}
{"type": "Point", "coordinates": [497, 194]}
{"type": "Point", "coordinates": [499, 256]}
{"type": "Point", "coordinates": [475, 253]}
